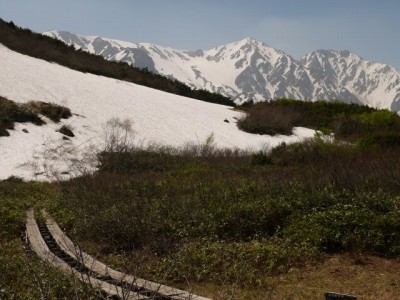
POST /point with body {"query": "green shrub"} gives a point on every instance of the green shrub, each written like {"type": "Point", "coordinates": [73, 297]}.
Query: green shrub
{"type": "Point", "coordinates": [249, 219]}
{"type": "Point", "coordinates": [353, 222]}
{"type": "Point", "coordinates": [269, 119]}
{"type": "Point", "coordinates": [345, 121]}
{"type": "Point", "coordinates": [388, 140]}
{"type": "Point", "coordinates": [261, 158]}
{"type": "Point", "coordinates": [367, 123]}
{"type": "Point", "coordinates": [310, 151]}
{"type": "Point", "coordinates": [139, 161]}
{"type": "Point", "coordinates": [241, 263]}
{"type": "Point", "coordinates": [162, 200]}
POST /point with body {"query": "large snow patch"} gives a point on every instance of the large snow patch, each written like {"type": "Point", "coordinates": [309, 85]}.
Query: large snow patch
{"type": "Point", "coordinates": [157, 116]}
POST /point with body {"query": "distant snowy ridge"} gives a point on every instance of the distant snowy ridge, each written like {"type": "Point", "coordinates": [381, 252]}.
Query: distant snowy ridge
{"type": "Point", "coordinates": [249, 69]}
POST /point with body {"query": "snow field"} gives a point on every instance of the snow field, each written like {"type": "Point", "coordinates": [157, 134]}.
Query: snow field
{"type": "Point", "coordinates": [157, 117]}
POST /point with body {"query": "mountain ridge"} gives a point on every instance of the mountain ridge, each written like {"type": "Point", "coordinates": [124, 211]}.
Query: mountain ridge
{"type": "Point", "coordinates": [39, 46]}
{"type": "Point", "coordinates": [252, 70]}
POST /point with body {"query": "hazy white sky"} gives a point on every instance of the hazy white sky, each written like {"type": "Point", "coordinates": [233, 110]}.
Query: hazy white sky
{"type": "Point", "coordinates": [369, 28]}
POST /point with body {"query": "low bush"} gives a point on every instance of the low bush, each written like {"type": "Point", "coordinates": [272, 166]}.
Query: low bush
{"type": "Point", "coordinates": [243, 264]}
{"type": "Point", "coordinates": [138, 161]}
{"type": "Point", "coordinates": [319, 196]}
{"type": "Point", "coordinates": [311, 151]}
{"type": "Point", "coordinates": [261, 158]}
{"type": "Point", "coordinates": [388, 140]}
{"type": "Point", "coordinates": [275, 120]}
{"type": "Point", "coordinates": [11, 112]}
{"type": "Point", "coordinates": [351, 222]}
{"type": "Point", "coordinates": [52, 111]}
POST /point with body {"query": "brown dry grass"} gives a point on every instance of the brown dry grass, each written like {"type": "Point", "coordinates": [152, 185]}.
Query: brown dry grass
{"type": "Point", "coordinates": [366, 277]}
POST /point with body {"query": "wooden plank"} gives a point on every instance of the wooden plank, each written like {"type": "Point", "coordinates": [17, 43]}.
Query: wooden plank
{"type": "Point", "coordinates": [39, 246]}
{"type": "Point", "coordinates": [90, 262]}
{"type": "Point", "coordinates": [337, 296]}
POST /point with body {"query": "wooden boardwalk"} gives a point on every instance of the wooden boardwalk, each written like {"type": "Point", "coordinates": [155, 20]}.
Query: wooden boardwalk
{"type": "Point", "coordinates": [92, 271]}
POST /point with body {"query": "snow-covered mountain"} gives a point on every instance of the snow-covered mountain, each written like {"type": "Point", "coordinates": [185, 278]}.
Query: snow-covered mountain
{"type": "Point", "coordinates": [163, 118]}
{"type": "Point", "coordinates": [249, 69]}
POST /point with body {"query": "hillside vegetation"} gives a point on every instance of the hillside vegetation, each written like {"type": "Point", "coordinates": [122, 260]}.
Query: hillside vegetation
{"type": "Point", "coordinates": [220, 217]}
{"type": "Point", "coordinates": [349, 122]}
{"type": "Point", "coordinates": [226, 222]}
{"type": "Point", "coordinates": [36, 45]}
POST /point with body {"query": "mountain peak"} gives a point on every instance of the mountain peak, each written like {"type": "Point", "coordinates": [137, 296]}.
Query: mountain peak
{"type": "Point", "coordinates": [250, 40]}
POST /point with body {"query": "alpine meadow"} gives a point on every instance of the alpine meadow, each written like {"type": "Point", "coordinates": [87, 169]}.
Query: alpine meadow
{"type": "Point", "coordinates": [232, 173]}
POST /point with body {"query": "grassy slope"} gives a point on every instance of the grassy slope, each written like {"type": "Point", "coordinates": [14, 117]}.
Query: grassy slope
{"type": "Point", "coordinates": [366, 277]}
{"type": "Point", "coordinates": [235, 220]}
{"type": "Point", "coordinates": [349, 122]}
{"type": "Point", "coordinates": [226, 222]}
{"type": "Point", "coordinates": [26, 42]}
{"type": "Point", "coordinates": [230, 223]}
{"type": "Point", "coordinates": [235, 224]}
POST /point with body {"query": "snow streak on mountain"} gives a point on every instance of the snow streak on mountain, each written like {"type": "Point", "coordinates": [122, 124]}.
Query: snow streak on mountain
{"type": "Point", "coordinates": [249, 69]}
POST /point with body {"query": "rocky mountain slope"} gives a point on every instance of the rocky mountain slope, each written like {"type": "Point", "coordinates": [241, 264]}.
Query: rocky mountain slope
{"type": "Point", "coordinates": [251, 70]}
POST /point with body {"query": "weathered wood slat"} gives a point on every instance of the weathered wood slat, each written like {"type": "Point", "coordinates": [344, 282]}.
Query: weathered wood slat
{"type": "Point", "coordinates": [91, 263]}
{"type": "Point", "coordinates": [39, 246]}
